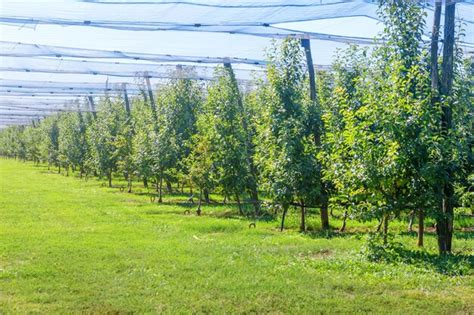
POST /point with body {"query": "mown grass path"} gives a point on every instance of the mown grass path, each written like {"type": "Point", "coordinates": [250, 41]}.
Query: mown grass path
{"type": "Point", "coordinates": [67, 245]}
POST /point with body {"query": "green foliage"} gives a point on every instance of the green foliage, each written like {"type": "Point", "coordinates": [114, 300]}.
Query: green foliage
{"type": "Point", "coordinates": [224, 114]}
{"type": "Point", "coordinates": [106, 137]}
{"type": "Point", "coordinates": [49, 147]}
{"type": "Point", "coordinates": [142, 144]}
{"type": "Point", "coordinates": [373, 141]}
{"type": "Point", "coordinates": [180, 100]}
{"type": "Point", "coordinates": [32, 140]}
{"type": "Point", "coordinates": [162, 145]}
{"type": "Point", "coordinates": [200, 162]}
{"type": "Point", "coordinates": [286, 153]}
{"type": "Point", "coordinates": [72, 141]}
{"type": "Point", "coordinates": [383, 150]}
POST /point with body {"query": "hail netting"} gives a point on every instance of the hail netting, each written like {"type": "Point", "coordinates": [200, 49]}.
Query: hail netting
{"type": "Point", "coordinates": [18, 49]}
{"type": "Point", "coordinates": [260, 18]}
{"type": "Point", "coordinates": [45, 66]}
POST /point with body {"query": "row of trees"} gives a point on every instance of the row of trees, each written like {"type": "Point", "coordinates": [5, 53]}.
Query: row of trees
{"type": "Point", "coordinates": [385, 132]}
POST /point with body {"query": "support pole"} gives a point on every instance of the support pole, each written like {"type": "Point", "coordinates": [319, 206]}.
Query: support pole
{"type": "Point", "coordinates": [130, 133]}
{"type": "Point", "coordinates": [306, 44]}
{"type": "Point", "coordinates": [125, 98]}
{"type": "Point", "coordinates": [150, 95]}
{"type": "Point", "coordinates": [444, 224]}
{"type": "Point", "coordinates": [434, 51]}
{"type": "Point", "coordinates": [107, 87]}
{"type": "Point", "coordinates": [145, 97]}
{"type": "Point", "coordinates": [92, 106]}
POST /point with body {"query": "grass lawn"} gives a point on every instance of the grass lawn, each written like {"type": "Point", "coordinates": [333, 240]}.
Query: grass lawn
{"type": "Point", "coordinates": [72, 246]}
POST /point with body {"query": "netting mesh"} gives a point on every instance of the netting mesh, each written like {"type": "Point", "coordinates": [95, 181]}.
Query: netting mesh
{"type": "Point", "coordinates": [55, 53]}
{"type": "Point", "coordinates": [259, 18]}
{"type": "Point", "coordinates": [17, 49]}
{"type": "Point", "coordinates": [118, 69]}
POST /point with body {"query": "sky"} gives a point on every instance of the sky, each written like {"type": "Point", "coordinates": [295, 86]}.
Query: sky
{"type": "Point", "coordinates": [362, 24]}
{"type": "Point", "coordinates": [178, 42]}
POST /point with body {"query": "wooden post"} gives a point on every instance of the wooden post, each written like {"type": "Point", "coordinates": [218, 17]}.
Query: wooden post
{"type": "Point", "coordinates": [107, 87]}
{"type": "Point", "coordinates": [145, 97]}
{"type": "Point", "coordinates": [249, 148]}
{"type": "Point", "coordinates": [421, 227]}
{"type": "Point", "coordinates": [125, 98]}
{"type": "Point", "coordinates": [434, 49]}
{"type": "Point", "coordinates": [150, 95]}
{"type": "Point", "coordinates": [92, 106]}
{"type": "Point", "coordinates": [435, 93]}
{"type": "Point", "coordinates": [306, 44]}
{"type": "Point", "coordinates": [130, 133]}
{"type": "Point", "coordinates": [448, 48]}
{"type": "Point", "coordinates": [444, 224]}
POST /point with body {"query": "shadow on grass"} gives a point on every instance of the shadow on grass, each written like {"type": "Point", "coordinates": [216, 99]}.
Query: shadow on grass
{"type": "Point", "coordinates": [398, 253]}
{"type": "Point", "coordinates": [465, 235]}
{"type": "Point", "coordinates": [165, 212]}
{"type": "Point", "coordinates": [219, 211]}
{"type": "Point", "coordinates": [459, 234]}
{"type": "Point", "coordinates": [450, 264]}
{"type": "Point", "coordinates": [48, 172]}
{"type": "Point", "coordinates": [215, 210]}
{"type": "Point", "coordinates": [334, 233]}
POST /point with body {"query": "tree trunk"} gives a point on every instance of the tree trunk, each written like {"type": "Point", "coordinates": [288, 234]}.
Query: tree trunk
{"type": "Point", "coordinates": [169, 188]}
{"type": "Point", "coordinates": [324, 214]}
{"type": "Point", "coordinates": [239, 204]}
{"type": "Point", "coordinates": [199, 204]}
{"type": "Point", "coordinates": [206, 195]}
{"type": "Point", "coordinates": [379, 226]}
{"type": "Point", "coordinates": [444, 221]}
{"type": "Point", "coordinates": [109, 177]}
{"type": "Point", "coordinates": [160, 192]}
{"type": "Point", "coordinates": [285, 210]}
{"type": "Point", "coordinates": [145, 182]}
{"type": "Point", "coordinates": [344, 219]}
{"type": "Point", "coordinates": [303, 218]}
{"type": "Point", "coordinates": [255, 200]}
{"type": "Point", "coordinates": [129, 183]}
{"type": "Point", "coordinates": [410, 223]}
{"type": "Point", "coordinates": [421, 227]}
{"type": "Point", "coordinates": [385, 229]}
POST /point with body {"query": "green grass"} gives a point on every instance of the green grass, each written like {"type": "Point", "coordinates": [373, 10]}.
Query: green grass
{"type": "Point", "coordinates": [71, 246]}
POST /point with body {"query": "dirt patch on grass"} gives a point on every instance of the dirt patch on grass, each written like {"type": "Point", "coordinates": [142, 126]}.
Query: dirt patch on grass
{"type": "Point", "coordinates": [319, 254]}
